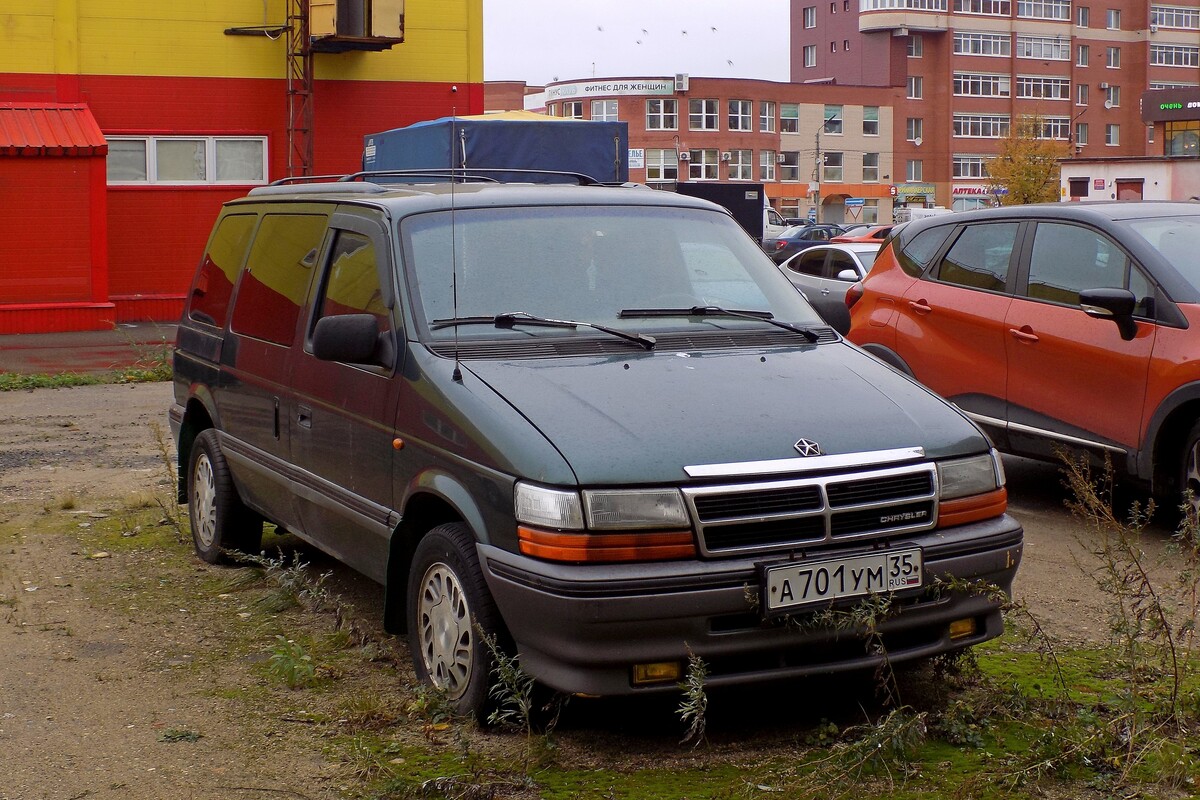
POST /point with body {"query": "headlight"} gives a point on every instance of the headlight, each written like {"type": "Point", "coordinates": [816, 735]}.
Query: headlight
{"type": "Point", "coordinates": [553, 508]}
{"type": "Point", "coordinates": [963, 477]}
{"type": "Point", "coordinates": [634, 509]}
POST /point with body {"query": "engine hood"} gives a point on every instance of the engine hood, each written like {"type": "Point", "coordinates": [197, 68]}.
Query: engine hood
{"type": "Point", "coordinates": [643, 418]}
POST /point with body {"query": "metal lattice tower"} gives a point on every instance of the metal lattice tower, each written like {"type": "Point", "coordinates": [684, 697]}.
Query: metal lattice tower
{"type": "Point", "coordinates": [299, 90]}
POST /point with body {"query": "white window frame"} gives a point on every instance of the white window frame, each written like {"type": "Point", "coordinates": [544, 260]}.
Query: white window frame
{"type": "Point", "coordinates": [870, 125]}
{"type": "Point", "coordinates": [978, 84]}
{"type": "Point", "coordinates": [766, 116]}
{"type": "Point", "coordinates": [1046, 48]}
{"type": "Point", "coordinates": [789, 118]}
{"type": "Point", "coordinates": [1083, 16]}
{"type": "Point", "coordinates": [605, 110]}
{"type": "Point", "coordinates": [981, 126]}
{"type": "Point", "coordinates": [707, 117]}
{"type": "Point", "coordinates": [969, 167]}
{"type": "Point", "coordinates": [704, 164]}
{"type": "Point", "coordinates": [1044, 9]}
{"type": "Point", "coordinates": [1112, 19]}
{"type": "Point", "coordinates": [572, 109]}
{"type": "Point", "coordinates": [766, 165]}
{"type": "Point", "coordinates": [833, 120]}
{"type": "Point", "coordinates": [789, 166]}
{"type": "Point", "coordinates": [662, 165]}
{"type": "Point", "coordinates": [1083, 55]}
{"type": "Point", "coordinates": [741, 115]}
{"type": "Point", "coordinates": [870, 171]}
{"type": "Point", "coordinates": [991, 8]}
{"type": "Point", "coordinates": [667, 112]}
{"type": "Point", "coordinates": [993, 45]}
{"type": "Point", "coordinates": [833, 172]}
{"type": "Point", "coordinates": [916, 46]}
{"type": "Point", "coordinates": [1081, 94]}
{"type": "Point", "coordinates": [1174, 55]}
{"type": "Point", "coordinates": [810, 17]}
{"type": "Point", "coordinates": [1055, 128]}
{"type": "Point", "coordinates": [741, 165]}
{"type": "Point", "coordinates": [1081, 133]}
{"type": "Point", "coordinates": [914, 128]}
{"type": "Point", "coordinates": [914, 170]}
{"type": "Point", "coordinates": [1183, 18]}
{"type": "Point", "coordinates": [1112, 135]}
{"type": "Point", "coordinates": [810, 56]}
{"type": "Point", "coordinates": [210, 160]}
{"type": "Point", "coordinates": [915, 87]}
{"type": "Point", "coordinates": [1043, 87]}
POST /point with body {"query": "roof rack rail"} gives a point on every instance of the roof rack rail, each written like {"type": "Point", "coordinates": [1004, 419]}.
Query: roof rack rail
{"type": "Point", "coordinates": [464, 174]}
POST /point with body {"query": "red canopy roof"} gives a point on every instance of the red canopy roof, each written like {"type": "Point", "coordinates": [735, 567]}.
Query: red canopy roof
{"type": "Point", "coordinates": [56, 129]}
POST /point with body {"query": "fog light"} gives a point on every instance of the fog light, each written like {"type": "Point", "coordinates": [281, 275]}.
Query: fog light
{"type": "Point", "coordinates": [962, 627]}
{"type": "Point", "coordinates": [663, 672]}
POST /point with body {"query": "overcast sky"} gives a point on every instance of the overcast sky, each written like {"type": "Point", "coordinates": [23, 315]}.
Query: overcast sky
{"type": "Point", "coordinates": [540, 41]}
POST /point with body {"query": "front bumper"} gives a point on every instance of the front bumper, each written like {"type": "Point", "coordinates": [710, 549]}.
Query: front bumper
{"type": "Point", "coordinates": [581, 629]}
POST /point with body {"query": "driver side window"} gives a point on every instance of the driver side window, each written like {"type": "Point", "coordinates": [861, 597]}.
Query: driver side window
{"type": "Point", "coordinates": [1068, 259]}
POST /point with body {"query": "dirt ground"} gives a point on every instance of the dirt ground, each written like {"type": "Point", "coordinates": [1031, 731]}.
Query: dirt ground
{"type": "Point", "coordinates": [102, 688]}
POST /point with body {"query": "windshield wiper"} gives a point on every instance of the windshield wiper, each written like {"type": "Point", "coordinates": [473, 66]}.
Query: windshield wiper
{"type": "Point", "coordinates": [717, 311]}
{"type": "Point", "coordinates": [510, 318]}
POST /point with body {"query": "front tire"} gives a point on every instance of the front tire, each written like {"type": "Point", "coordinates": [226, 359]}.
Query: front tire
{"type": "Point", "coordinates": [450, 613]}
{"type": "Point", "coordinates": [220, 521]}
{"type": "Point", "coordinates": [1189, 476]}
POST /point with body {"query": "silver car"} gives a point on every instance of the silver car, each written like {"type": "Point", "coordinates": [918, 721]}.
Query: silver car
{"type": "Point", "coordinates": [824, 273]}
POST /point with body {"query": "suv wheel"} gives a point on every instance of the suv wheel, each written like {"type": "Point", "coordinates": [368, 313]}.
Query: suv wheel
{"type": "Point", "coordinates": [220, 522]}
{"type": "Point", "coordinates": [1189, 478]}
{"type": "Point", "coordinates": [450, 614]}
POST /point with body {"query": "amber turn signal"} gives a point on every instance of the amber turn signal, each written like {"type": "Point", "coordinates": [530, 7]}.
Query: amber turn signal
{"type": "Point", "coordinates": [962, 510]}
{"type": "Point", "coordinates": [594, 548]}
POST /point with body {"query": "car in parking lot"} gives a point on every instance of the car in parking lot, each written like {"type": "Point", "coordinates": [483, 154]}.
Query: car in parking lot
{"type": "Point", "coordinates": [782, 247]}
{"type": "Point", "coordinates": [1061, 326]}
{"type": "Point", "coordinates": [589, 425]}
{"type": "Point", "coordinates": [872, 233]}
{"type": "Point", "coordinates": [824, 273]}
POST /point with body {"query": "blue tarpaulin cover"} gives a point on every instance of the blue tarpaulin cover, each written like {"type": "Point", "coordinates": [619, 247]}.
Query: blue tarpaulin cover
{"type": "Point", "coordinates": [518, 140]}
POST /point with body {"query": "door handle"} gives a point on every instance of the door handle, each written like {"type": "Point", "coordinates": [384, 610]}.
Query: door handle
{"type": "Point", "coordinates": [304, 417]}
{"type": "Point", "coordinates": [1024, 334]}
{"type": "Point", "coordinates": [825, 291]}
{"type": "Point", "coordinates": [920, 306]}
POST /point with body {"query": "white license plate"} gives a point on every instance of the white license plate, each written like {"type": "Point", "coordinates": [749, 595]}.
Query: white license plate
{"type": "Point", "coordinates": [803, 583]}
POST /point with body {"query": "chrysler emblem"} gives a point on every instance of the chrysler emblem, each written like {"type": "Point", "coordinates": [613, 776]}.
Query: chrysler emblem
{"type": "Point", "coordinates": [807, 447]}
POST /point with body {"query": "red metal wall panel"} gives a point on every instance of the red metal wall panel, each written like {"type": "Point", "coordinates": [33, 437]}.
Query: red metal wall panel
{"type": "Point", "coordinates": [45, 230]}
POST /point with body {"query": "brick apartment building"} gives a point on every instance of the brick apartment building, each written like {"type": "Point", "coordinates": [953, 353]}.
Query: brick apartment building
{"type": "Point", "coordinates": [969, 68]}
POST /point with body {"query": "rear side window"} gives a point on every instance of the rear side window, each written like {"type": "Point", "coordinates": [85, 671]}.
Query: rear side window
{"type": "Point", "coordinates": [980, 257]}
{"type": "Point", "coordinates": [218, 272]}
{"type": "Point", "coordinates": [808, 263]}
{"type": "Point", "coordinates": [275, 284]}
{"type": "Point", "coordinates": [919, 251]}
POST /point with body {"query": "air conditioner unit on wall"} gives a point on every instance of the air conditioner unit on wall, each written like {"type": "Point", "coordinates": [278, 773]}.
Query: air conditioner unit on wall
{"type": "Point", "coordinates": [681, 82]}
{"type": "Point", "coordinates": [685, 156]}
{"type": "Point", "coordinates": [726, 156]}
{"type": "Point", "coordinates": [1103, 85]}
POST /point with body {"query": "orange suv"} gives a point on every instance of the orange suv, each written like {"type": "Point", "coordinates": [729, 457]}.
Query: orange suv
{"type": "Point", "coordinates": [1071, 325]}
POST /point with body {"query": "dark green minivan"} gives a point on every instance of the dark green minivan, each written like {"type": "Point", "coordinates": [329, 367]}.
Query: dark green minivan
{"type": "Point", "coordinates": [594, 421]}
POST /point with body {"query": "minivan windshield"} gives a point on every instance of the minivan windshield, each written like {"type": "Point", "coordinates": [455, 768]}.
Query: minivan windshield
{"type": "Point", "coordinates": [588, 264]}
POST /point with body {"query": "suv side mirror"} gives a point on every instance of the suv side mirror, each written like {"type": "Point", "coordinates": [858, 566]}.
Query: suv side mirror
{"type": "Point", "coordinates": [1114, 304]}
{"type": "Point", "coordinates": [352, 338]}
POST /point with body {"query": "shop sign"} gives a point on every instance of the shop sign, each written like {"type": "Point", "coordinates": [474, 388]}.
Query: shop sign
{"type": "Point", "coordinates": [637, 158]}
{"type": "Point", "coordinates": [912, 189]}
{"type": "Point", "coordinates": [648, 86]}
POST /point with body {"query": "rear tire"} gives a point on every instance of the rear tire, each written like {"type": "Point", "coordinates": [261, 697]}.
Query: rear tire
{"type": "Point", "coordinates": [220, 522]}
{"type": "Point", "coordinates": [450, 612]}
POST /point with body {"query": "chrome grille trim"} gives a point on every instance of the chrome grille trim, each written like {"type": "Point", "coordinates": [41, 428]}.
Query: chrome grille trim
{"type": "Point", "coordinates": [809, 464]}
{"type": "Point", "coordinates": [904, 500]}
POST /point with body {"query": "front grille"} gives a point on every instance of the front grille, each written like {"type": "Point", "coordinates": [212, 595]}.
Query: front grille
{"type": "Point", "coordinates": [809, 511]}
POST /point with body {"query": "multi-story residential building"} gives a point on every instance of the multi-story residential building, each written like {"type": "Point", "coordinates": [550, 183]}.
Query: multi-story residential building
{"type": "Point", "coordinates": [821, 151]}
{"type": "Point", "coordinates": [970, 68]}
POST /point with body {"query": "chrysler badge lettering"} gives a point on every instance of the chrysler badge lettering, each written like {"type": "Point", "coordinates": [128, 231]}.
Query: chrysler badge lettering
{"type": "Point", "coordinates": [807, 447]}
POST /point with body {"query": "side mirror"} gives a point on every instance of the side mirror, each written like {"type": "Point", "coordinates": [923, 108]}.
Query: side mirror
{"type": "Point", "coordinates": [847, 275]}
{"type": "Point", "coordinates": [352, 338]}
{"type": "Point", "coordinates": [1114, 304]}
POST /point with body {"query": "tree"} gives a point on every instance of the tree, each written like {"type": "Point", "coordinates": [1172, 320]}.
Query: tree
{"type": "Point", "coordinates": [1026, 170]}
